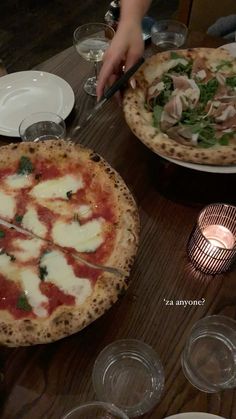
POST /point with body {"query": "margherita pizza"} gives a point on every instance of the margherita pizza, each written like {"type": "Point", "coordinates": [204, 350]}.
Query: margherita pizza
{"type": "Point", "coordinates": [68, 236]}
{"type": "Point", "coordinates": [184, 105]}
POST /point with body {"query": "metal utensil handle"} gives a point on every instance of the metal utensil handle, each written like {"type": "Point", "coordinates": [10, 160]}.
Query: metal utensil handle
{"type": "Point", "coordinates": [121, 81]}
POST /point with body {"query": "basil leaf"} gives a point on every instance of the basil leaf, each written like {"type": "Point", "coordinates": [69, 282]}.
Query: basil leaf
{"type": "Point", "coordinates": [18, 218]}
{"type": "Point", "coordinates": [69, 194]}
{"type": "Point", "coordinates": [25, 166]}
{"type": "Point", "coordinates": [43, 272]}
{"type": "Point", "coordinates": [2, 234]}
{"type": "Point", "coordinates": [23, 304]}
{"type": "Point", "coordinates": [157, 111]}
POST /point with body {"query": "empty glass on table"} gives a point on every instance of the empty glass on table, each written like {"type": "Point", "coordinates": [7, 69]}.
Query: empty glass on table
{"type": "Point", "coordinates": [91, 41]}
{"type": "Point", "coordinates": [97, 410]}
{"type": "Point", "coordinates": [169, 34]}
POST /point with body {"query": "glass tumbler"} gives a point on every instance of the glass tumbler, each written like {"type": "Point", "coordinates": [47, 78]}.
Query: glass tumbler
{"type": "Point", "coordinates": [97, 410]}
{"type": "Point", "coordinates": [168, 34]}
{"type": "Point", "coordinates": [209, 356]}
{"type": "Point", "coordinates": [129, 373]}
{"type": "Point", "coordinates": [42, 126]}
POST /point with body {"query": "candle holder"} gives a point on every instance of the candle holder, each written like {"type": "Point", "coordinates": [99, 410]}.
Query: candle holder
{"type": "Point", "coordinates": [212, 243]}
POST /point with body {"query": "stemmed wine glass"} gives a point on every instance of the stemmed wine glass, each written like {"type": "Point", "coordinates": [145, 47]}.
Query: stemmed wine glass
{"type": "Point", "coordinates": [91, 41]}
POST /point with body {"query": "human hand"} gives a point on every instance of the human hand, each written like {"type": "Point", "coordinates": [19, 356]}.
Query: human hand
{"type": "Point", "coordinates": [125, 49]}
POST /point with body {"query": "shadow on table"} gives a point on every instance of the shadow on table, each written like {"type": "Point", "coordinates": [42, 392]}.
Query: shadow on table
{"type": "Point", "coordinates": [191, 187]}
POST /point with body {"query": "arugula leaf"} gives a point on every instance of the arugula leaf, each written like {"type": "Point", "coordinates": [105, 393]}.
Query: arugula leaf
{"type": "Point", "coordinates": [43, 272]}
{"type": "Point", "coordinates": [157, 111]}
{"type": "Point", "coordinates": [182, 69]}
{"type": "Point", "coordinates": [165, 94]}
{"type": "Point", "coordinates": [224, 140]}
{"type": "Point", "coordinates": [18, 218]}
{"type": "Point", "coordinates": [224, 63]}
{"type": "Point", "coordinates": [231, 81]}
{"type": "Point", "coordinates": [22, 303]}
{"type": "Point", "coordinates": [25, 166]}
{"type": "Point", "coordinates": [2, 234]}
{"type": "Point", "coordinates": [208, 90]}
{"type": "Point", "coordinates": [174, 55]}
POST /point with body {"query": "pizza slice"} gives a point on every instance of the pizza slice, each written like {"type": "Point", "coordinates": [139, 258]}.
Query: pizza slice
{"type": "Point", "coordinates": [45, 293]}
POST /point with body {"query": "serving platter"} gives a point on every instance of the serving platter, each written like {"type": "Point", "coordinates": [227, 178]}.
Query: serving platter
{"type": "Point", "coordinates": [194, 415]}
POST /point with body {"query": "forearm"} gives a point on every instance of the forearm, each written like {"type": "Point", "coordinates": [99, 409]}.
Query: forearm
{"type": "Point", "coordinates": [133, 10]}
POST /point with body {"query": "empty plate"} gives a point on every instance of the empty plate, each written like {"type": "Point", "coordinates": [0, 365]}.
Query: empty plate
{"type": "Point", "coordinates": [27, 92]}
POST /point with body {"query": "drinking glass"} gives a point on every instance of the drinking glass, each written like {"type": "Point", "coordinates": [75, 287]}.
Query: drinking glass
{"type": "Point", "coordinates": [94, 410]}
{"type": "Point", "coordinates": [169, 34]}
{"type": "Point", "coordinates": [42, 126]}
{"type": "Point", "coordinates": [91, 41]}
{"type": "Point", "coordinates": [129, 373]}
{"type": "Point", "coordinates": [209, 356]}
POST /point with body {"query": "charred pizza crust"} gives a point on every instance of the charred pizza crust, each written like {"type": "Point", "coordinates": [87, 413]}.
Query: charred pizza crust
{"type": "Point", "coordinates": [140, 120]}
{"type": "Point", "coordinates": [66, 320]}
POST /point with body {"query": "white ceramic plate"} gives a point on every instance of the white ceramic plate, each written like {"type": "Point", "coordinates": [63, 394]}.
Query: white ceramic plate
{"type": "Point", "coordinates": [231, 48]}
{"type": "Point", "coordinates": [27, 92]}
{"type": "Point", "coordinates": [194, 415]}
{"type": "Point", "coordinates": [203, 167]}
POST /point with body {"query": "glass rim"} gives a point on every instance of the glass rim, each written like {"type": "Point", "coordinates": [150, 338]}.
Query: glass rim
{"type": "Point", "coordinates": [225, 319]}
{"type": "Point", "coordinates": [90, 24]}
{"type": "Point", "coordinates": [200, 215]}
{"type": "Point", "coordinates": [175, 21]}
{"type": "Point", "coordinates": [111, 406]}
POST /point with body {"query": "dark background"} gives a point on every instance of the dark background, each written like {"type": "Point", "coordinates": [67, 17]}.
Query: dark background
{"type": "Point", "coordinates": [32, 31]}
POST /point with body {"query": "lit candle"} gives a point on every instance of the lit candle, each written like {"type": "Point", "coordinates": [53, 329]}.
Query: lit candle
{"type": "Point", "coordinates": [219, 236]}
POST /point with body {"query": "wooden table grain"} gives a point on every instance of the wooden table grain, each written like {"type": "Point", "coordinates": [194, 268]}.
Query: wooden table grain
{"type": "Point", "coordinates": [45, 381]}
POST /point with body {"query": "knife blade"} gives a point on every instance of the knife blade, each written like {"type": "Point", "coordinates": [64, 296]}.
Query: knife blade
{"type": "Point", "coordinates": [109, 93]}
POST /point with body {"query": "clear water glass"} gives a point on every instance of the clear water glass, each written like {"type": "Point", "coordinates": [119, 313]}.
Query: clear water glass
{"type": "Point", "coordinates": [169, 34]}
{"type": "Point", "coordinates": [209, 356]}
{"type": "Point", "coordinates": [41, 126]}
{"type": "Point", "coordinates": [129, 374]}
{"type": "Point", "coordinates": [97, 410]}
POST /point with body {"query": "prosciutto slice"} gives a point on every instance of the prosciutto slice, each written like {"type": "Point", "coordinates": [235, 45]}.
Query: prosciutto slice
{"type": "Point", "coordinates": [200, 70]}
{"type": "Point", "coordinates": [172, 113]}
{"type": "Point", "coordinates": [187, 89]}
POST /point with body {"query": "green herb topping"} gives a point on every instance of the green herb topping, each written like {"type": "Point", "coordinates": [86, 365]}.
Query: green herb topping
{"type": "Point", "coordinates": [23, 304]}
{"type": "Point", "coordinates": [43, 272]}
{"type": "Point", "coordinates": [2, 234]}
{"type": "Point", "coordinates": [25, 166]}
{"type": "Point", "coordinates": [224, 63]}
{"type": "Point", "coordinates": [69, 194]}
{"type": "Point", "coordinates": [174, 55]}
{"type": "Point", "coordinates": [157, 111]}
{"type": "Point", "coordinates": [208, 90]}
{"type": "Point", "coordinates": [231, 81]}
{"type": "Point", "coordinates": [18, 218]}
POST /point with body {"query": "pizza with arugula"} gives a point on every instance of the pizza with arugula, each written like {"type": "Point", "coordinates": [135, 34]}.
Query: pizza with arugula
{"type": "Point", "coordinates": [184, 105]}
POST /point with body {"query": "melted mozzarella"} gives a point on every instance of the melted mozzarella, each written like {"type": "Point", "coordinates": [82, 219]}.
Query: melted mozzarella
{"type": "Point", "coordinates": [57, 188]}
{"type": "Point", "coordinates": [62, 275]}
{"type": "Point", "coordinates": [7, 205]}
{"type": "Point", "coordinates": [31, 282]}
{"type": "Point", "coordinates": [83, 238]}
{"type": "Point", "coordinates": [18, 181]}
{"type": "Point", "coordinates": [27, 249]}
{"type": "Point", "coordinates": [84, 211]}
{"type": "Point", "coordinates": [32, 223]}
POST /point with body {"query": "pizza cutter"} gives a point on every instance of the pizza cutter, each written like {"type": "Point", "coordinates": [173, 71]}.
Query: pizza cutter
{"type": "Point", "coordinates": [109, 93]}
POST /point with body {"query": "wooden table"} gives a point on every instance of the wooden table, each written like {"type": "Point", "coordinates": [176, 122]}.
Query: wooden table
{"type": "Point", "coordinates": [46, 381]}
